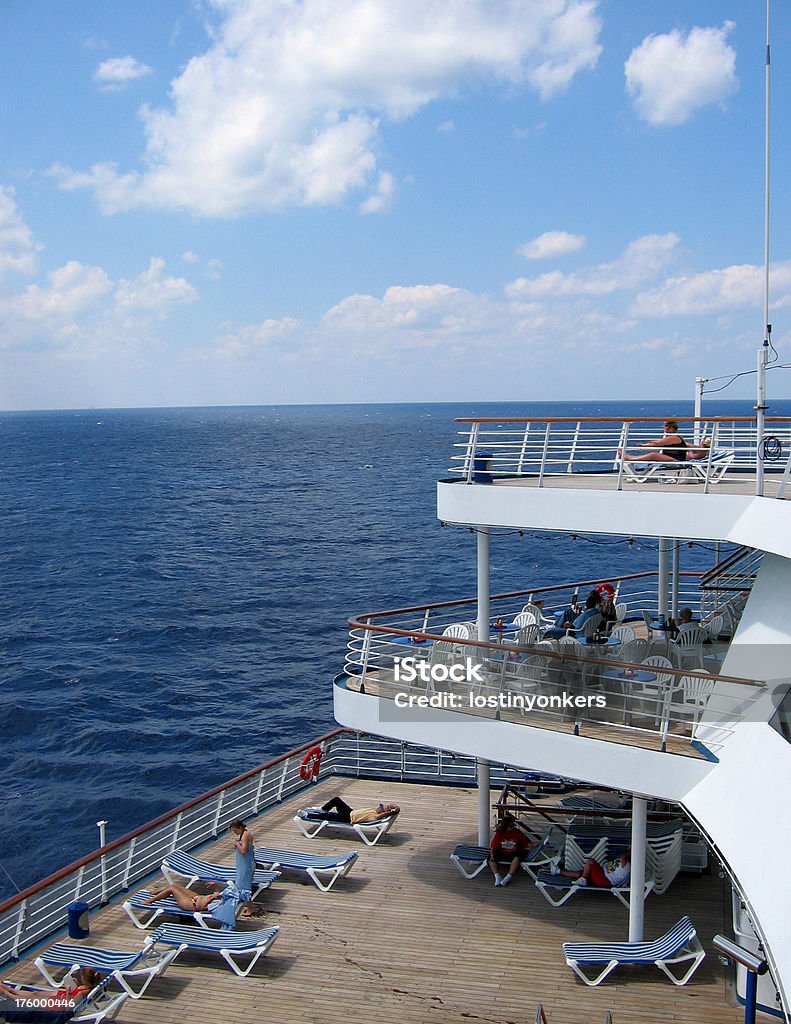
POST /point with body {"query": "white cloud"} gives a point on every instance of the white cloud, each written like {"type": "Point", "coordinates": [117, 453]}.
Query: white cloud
{"type": "Point", "coordinates": [550, 244]}
{"type": "Point", "coordinates": [190, 257]}
{"type": "Point", "coordinates": [446, 127]}
{"type": "Point", "coordinates": [715, 291]}
{"type": "Point", "coordinates": [152, 291]}
{"type": "Point", "coordinates": [672, 76]}
{"type": "Point", "coordinates": [286, 105]}
{"type": "Point", "coordinates": [117, 72]}
{"type": "Point", "coordinates": [642, 260]}
{"type": "Point", "coordinates": [381, 200]}
{"type": "Point", "coordinates": [73, 289]}
{"type": "Point", "coordinates": [17, 248]}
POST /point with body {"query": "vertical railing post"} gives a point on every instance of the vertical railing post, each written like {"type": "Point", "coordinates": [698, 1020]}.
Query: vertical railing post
{"type": "Point", "coordinates": [544, 452]}
{"type": "Point", "coordinates": [472, 444]}
{"type": "Point", "coordinates": [174, 842]}
{"type": "Point", "coordinates": [20, 929]}
{"type": "Point", "coordinates": [366, 654]}
{"type": "Point", "coordinates": [220, 801]}
{"type": "Point", "coordinates": [624, 443]}
{"type": "Point", "coordinates": [260, 789]}
{"type": "Point", "coordinates": [573, 450]}
{"type": "Point", "coordinates": [128, 869]}
{"type": "Point", "coordinates": [101, 825]}
{"type": "Point", "coordinates": [523, 453]}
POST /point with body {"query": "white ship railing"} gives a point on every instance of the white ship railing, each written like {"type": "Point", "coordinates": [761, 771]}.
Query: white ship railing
{"type": "Point", "coordinates": [40, 912]}
{"type": "Point", "coordinates": [540, 449]}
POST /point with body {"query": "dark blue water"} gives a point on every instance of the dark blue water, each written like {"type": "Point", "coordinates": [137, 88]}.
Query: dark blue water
{"type": "Point", "coordinates": [176, 584]}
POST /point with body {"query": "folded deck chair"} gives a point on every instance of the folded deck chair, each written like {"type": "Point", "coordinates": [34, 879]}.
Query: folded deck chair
{"type": "Point", "coordinates": [136, 908]}
{"type": "Point", "coordinates": [184, 865]}
{"type": "Point", "coordinates": [568, 887]}
{"type": "Point", "coordinates": [231, 946]}
{"type": "Point", "coordinates": [677, 946]}
{"type": "Point", "coordinates": [471, 860]}
{"type": "Point", "coordinates": [324, 872]}
{"type": "Point", "coordinates": [120, 965]}
{"type": "Point", "coordinates": [369, 831]}
{"type": "Point", "coordinates": [97, 1006]}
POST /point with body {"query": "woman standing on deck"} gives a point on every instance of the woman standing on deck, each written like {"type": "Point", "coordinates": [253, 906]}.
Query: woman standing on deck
{"type": "Point", "coordinates": [244, 844]}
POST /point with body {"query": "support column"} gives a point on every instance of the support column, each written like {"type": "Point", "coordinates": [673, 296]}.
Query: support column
{"type": "Point", "coordinates": [483, 545]}
{"type": "Point", "coordinates": [637, 882]}
{"type": "Point", "coordinates": [664, 575]}
{"type": "Point", "coordinates": [676, 579]}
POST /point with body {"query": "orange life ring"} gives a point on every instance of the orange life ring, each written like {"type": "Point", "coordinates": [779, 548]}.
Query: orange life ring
{"type": "Point", "coordinates": [309, 769]}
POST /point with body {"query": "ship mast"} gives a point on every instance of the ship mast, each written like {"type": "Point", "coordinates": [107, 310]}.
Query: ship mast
{"type": "Point", "coordinates": [763, 352]}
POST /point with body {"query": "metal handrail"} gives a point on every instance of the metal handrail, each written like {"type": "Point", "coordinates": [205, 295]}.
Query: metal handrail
{"type": "Point", "coordinates": [544, 447]}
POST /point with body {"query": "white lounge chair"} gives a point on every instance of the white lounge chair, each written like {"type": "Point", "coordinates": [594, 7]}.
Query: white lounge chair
{"type": "Point", "coordinates": [471, 860]}
{"type": "Point", "coordinates": [142, 963]}
{"type": "Point", "coordinates": [369, 831]}
{"type": "Point", "coordinates": [184, 865]}
{"type": "Point", "coordinates": [689, 470]}
{"type": "Point", "coordinates": [97, 1006]}
{"type": "Point", "coordinates": [232, 946]}
{"type": "Point", "coordinates": [679, 945]}
{"type": "Point", "coordinates": [324, 872]}
{"type": "Point", "coordinates": [568, 887]}
{"type": "Point", "coordinates": [137, 908]}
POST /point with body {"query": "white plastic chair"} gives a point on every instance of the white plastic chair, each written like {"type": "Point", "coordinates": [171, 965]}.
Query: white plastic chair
{"type": "Point", "coordinates": [690, 643]}
{"type": "Point", "coordinates": [695, 693]}
{"type": "Point", "coordinates": [714, 627]}
{"type": "Point", "coordinates": [660, 689]}
{"type": "Point", "coordinates": [623, 633]}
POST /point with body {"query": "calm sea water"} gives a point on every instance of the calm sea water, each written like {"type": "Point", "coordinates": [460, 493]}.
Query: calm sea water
{"type": "Point", "coordinates": [176, 584]}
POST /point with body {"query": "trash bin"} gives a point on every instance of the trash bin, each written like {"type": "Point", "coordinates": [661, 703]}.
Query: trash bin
{"type": "Point", "coordinates": [482, 467]}
{"type": "Point", "coordinates": [79, 928]}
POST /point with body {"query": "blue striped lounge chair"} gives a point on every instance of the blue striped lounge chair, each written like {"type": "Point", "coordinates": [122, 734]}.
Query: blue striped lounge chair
{"type": "Point", "coordinates": [232, 946]}
{"type": "Point", "coordinates": [144, 915]}
{"type": "Point", "coordinates": [122, 966]}
{"type": "Point", "coordinates": [679, 945]}
{"type": "Point", "coordinates": [178, 865]}
{"type": "Point", "coordinates": [369, 831]}
{"type": "Point", "coordinates": [567, 887]}
{"type": "Point", "coordinates": [97, 1006]}
{"type": "Point", "coordinates": [324, 872]}
{"type": "Point", "coordinates": [471, 860]}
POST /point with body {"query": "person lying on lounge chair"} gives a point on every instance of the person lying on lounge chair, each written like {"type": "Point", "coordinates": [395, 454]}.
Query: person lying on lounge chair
{"type": "Point", "coordinates": [337, 809]}
{"type": "Point", "coordinates": [670, 448]}
{"type": "Point", "coordinates": [615, 874]}
{"type": "Point", "coordinates": [186, 898]}
{"type": "Point", "coordinates": [85, 980]}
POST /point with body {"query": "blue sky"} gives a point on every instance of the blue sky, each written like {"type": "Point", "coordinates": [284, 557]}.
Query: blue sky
{"type": "Point", "coordinates": [263, 201]}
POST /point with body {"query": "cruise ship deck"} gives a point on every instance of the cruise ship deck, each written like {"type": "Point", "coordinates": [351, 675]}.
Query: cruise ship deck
{"type": "Point", "coordinates": [404, 938]}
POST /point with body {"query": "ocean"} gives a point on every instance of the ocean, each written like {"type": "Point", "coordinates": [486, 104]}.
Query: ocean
{"type": "Point", "coordinates": [176, 585]}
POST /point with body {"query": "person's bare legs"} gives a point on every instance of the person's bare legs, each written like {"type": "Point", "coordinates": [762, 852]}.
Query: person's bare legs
{"type": "Point", "coordinates": [647, 457]}
{"type": "Point", "coordinates": [179, 893]}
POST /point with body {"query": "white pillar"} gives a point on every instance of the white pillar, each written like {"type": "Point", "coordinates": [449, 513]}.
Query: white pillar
{"type": "Point", "coordinates": [676, 579]}
{"type": "Point", "coordinates": [482, 535]}
{"type": "Point", "coordinates": [484, 836]}
{"type": "Point", "coordinates": [637, 882]}
{"type": "Point", "coordinates": [664, 574]}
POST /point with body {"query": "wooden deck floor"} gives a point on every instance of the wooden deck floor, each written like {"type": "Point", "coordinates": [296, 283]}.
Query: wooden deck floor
{"type": "Point", "coordinates": [404, 938]}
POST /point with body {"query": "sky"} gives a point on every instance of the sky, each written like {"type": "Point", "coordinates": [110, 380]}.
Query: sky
{"type": "Point", "coordinates": [257, 202]}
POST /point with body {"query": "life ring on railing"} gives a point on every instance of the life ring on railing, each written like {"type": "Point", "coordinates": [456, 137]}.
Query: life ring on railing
{"type": "Point", "coordinates": [309, 769]}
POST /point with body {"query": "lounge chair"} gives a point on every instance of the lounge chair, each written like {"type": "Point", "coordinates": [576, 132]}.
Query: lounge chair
{"type": "Point", "coordinates": [471, 860]}
{"type": "Point", "coordinates": [184, 865]}
{"type": "Point", "coordinates": [568, 887]}
{"type": "Point", "coordinates": [97, 1006]}
{"type": "Point", "coordinates": [369, 831]}
{"type": "Point", "coordinates": [231, 946]}
{"type": "Point", "coordinates": [678, 945]}
{"type": "Point", "coordinates": [685, 471]}
{"type": "Point", "coordinates": [316, 868]}
{"type": "Point", "coordinates": [136, 905]}
{"type": "Point", "coordinates": [145, 964]}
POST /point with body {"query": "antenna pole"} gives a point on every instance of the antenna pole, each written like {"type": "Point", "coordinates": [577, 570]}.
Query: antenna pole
{"type": "Point", "coordinates": [763, 353]}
